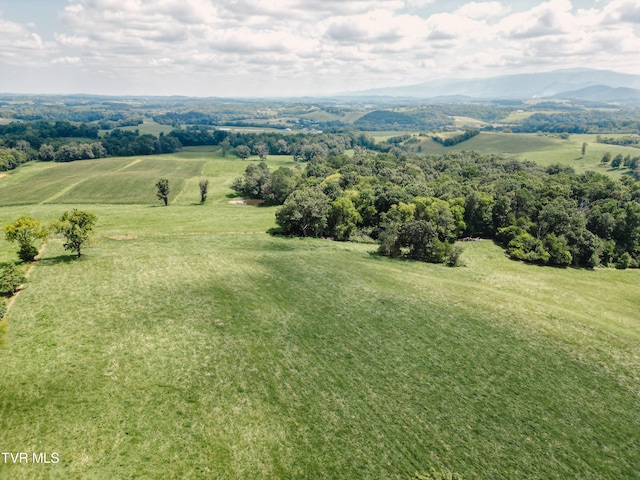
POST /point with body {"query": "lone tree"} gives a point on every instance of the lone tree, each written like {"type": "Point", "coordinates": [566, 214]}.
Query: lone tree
{"type": "Point", "coordinates": [76, 227]}
{"type": "Point", "coordinates": [243, 152]}
{"type": "Point", "coordinates": [26, 231]}
{"type": "Point", "coordinates": [163, 190]}
{"type": "Point", "coordinates": [204, 189]}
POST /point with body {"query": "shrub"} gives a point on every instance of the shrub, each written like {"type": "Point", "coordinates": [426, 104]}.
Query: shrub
{"type": "Point", "coordinates": [10, 278]}
{"type": "Point", "coordinates": [454, 259]}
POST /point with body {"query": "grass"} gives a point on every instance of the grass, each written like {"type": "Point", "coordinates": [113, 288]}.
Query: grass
{"type": "Point", "coordinates": [188, 343]}
{"type": "Point", "coordinates": [461, 122]}
{"type": "Point", "coordinates": [542, 149]}
{"type": "Point", "coordinates": [149, 127]}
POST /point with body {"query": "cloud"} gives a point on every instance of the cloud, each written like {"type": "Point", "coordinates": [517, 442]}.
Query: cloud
{"type": "Point", "coordinates": [548, 18]}
{"type": "Point", "coordinates": [482, 10]}
{"type": "Point", "coordinates": [20, 45]}
{"type": "Point", "coordinates": [622, 11]}
{"type": "Point", "coordinates": [65, 61]}
{"type": "Point", "coordinates": [294, 45]}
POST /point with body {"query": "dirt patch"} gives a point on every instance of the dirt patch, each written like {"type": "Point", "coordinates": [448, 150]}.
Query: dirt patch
{"type": "Point", "coordinates": [251, 202]}
{"type": "Point", "coordinates": [2, 175]}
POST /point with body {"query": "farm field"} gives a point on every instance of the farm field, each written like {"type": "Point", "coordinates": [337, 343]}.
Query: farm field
{"type": "Point", "coordinates": [188, 343]}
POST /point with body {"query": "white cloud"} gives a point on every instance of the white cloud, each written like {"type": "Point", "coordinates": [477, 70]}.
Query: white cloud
{"type": "Point", "coordinates": [548, 18]}
{"type": "Point", "coordinates": [19, 44]}
{"type": "Point", "coordinates": [65, 61]}
{"type": "Point", "coordinates": [481, 10]}
{"type": "Point", "coordinates": [294, 46]}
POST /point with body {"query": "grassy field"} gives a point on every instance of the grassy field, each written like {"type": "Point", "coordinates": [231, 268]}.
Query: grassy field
{"type": "Point", "coordinates": [542, 149]}
{"type": "Point", "coordinates": [150, 127]}
{"type": "Point", "coordinates": [187, 343]}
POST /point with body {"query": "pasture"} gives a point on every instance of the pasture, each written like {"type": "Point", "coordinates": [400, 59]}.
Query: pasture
{"type": "Point", "coordinates": [188, 343]}
{"type": "Point", "coordinates": [544, 149]}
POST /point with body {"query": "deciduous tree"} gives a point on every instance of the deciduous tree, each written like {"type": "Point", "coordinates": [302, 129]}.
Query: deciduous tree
{"type": "Point", "coordinates": [26, 231]}
{"type": "Point", "coordinates": [163, 190]}
{"type": "Point", "coordinates": [204, 189]}
{"type": "Point", "coordinates": [76, 227]}
{"type": "Point", "coordinates": [304, 213]}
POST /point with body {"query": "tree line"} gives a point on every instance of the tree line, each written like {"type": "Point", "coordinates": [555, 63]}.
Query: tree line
{"type": "Point", "coordinates": [455, 139]}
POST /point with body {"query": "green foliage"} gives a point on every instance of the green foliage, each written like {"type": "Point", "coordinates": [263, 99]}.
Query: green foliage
{"type": "Point", "coordinates": [283, 181]}
{"type": "Point", "coordinates": [456, 139]}
{"type": "Point", "coordinates": [163, 190]}
{"type": "Point", "coordinates": [10, 278]}
{"type": "Point", "coordinates": [255, 183]}
{"type": "Point", "coordinates": [389, 120]}
{"type": "Point", "coordinates": [455, 259]}
{"type": "Point", "coordinates": [26, 231]}
{"type": "Point", "coordinates": [304, 213]}
{"type": "Point", "coordinates": [342, 218]}
{"type": "Point", "coordinates": [11, 158]}
{"type": "Point", "coordinates": [242, 151]}
{"type": "Point", "coordinates": [76, 227]}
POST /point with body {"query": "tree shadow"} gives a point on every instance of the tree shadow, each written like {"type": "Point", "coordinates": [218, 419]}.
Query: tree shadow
{"type": "Point", "coordinates": [57, 260]}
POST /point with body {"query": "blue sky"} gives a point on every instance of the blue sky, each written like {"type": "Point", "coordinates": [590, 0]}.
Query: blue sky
{"type": "Point", "coordinates": [297, 47]}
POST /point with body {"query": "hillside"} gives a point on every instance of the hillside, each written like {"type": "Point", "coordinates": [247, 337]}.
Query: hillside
{"type": "Point", "coordinates": [189, 343]}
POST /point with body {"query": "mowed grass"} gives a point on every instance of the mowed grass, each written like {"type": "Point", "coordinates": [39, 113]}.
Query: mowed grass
{"type": "Point", "coordinates": [187, 343]}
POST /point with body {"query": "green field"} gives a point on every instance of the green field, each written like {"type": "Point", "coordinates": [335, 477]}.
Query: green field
{"type": "Point", "coordinates": [188, 343]}
{"type": "Point", "coordinates": [542, 149]}
{"type": "Point", "coordinates": [150, 127]}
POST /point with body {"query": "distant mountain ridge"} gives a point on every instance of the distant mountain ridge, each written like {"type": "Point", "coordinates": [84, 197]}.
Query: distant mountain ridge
{"type": "Point", "coordinates": [520, 86]}
{"type": "Point", "coordinates": [602, 93]}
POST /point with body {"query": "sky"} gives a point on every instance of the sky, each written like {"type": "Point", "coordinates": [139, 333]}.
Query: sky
{"type": "Point", "coordinates": [277, 48]}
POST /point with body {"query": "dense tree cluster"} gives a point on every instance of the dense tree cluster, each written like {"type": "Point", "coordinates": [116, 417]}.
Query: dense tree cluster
{"type": "Point", "coordinates": [580, 121]}
{"type": "Point", "coordinates": [625, 140]}
{"type": "Point", "coordinates": [11, 158]}
{"type": "Point", "coordinates": [418, 206]}
{"type": "Point", "coordinates": [188, 118]}
{"type": "Point", "coordinates": [37, 133]}
{"type": "Point", "coordinates": [64, 141]}
{"type": "Point", "coordinates": [258, 182]}
{"type": "Point", "coordinates": [421, 119]}
{"type": "Point", "coordinates": [124, 143]}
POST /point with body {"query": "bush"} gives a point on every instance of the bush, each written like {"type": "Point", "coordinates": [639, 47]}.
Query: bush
{"type": "Point", "coordinates": [3, 309]}
{"type": "Point", "coordinates": [454, 259]}
{"type": "Point", "coordinates": [27, 253]}
{"type": "Point", "coordinates": [10, 278]}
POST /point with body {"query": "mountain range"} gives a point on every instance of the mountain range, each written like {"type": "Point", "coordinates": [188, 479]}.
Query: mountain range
{"type": "Point", "coordinates": [583, 83]}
